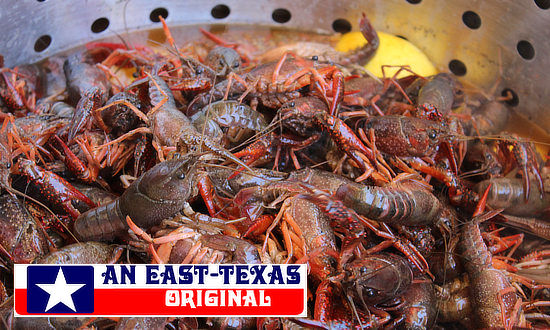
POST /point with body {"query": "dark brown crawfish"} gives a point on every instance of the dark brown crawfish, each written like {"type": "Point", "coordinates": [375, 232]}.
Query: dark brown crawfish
{"type": "Point", "coordinates": [401, 204]}
{"type": "Point", "coordinates": [453, 301]}
{"type": "Point", "coordinates": [362, 279]}
{"type": "Point", "coordinates": [83, 253]}
{"type": "Point", "coordinates": [129, 323]}
{"type": "Point", "coordinates": [420, 309]}
{"type": "Point", "coordinates": [274, 83]}
{"type": "Point", "coordinates": [237, 118]}
{"type": "Point", "coordinates": [439, 91]}
{"type": "Point", "coordinates": [21, 238]}
{"type": "Point", "coordinates": [366, 282]}
{"type": "Point", "coordinates": [509, 194]}
{"type": "Point", "coordinates": [223, 60]}
{"type": "Point", "coordinates": [156, 195]}
{"type": "Point", "coordinates": [171, 128]}
{"type": "Point", "coordinates": [82, 75]}
{"type": "Point", "coordinates": [377, 278]}
{"type": "Point", "coordinates": [488, 119]}
{"type": "Point", "coordinates": [492, 296]}
{"type": "Point", "coordinates": [88, 86]}
{"type": "Point", "coordinates": [119, 119]}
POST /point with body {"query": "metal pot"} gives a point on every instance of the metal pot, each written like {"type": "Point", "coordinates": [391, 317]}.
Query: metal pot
{"type": "Point", "coordinates": [471, 38]}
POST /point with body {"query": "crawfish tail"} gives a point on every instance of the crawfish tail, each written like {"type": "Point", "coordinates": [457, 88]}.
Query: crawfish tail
{"type": "Point", "coordinates": [490, 289]}
{"type": "Point", "coordinates": [534, 226]}
{"type": "Point", "coordinates": [363, 54]}
{"type": "Point", "coordinates": [401, 205]}
{"type": "Point", "coordinates": [102, 223]}
{"type": "Point", "coordinates": [508, 194]}
{"type": "Point", "coordinates": [438, 91]}
{"type": "Point", "coordinates": [477, 255]}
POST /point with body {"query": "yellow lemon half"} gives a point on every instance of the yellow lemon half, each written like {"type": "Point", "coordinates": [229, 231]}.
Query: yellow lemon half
{"type": "Point", "coordinates": [392, 51]}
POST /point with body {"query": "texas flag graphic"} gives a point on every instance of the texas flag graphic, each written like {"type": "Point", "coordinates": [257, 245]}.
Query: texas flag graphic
{"type": "Point", "coordinates": [60, 289]}
{"type": "Point", "coordinates": [160, 290]}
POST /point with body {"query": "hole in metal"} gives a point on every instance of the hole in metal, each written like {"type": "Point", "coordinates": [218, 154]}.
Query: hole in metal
{"type": "Point", "coordinates": [281, 15]}
{"type": "Point", "coordinates": [42, 43]}
{"type": "Point", "coordinates": [543, 4]}
{"type": "Point", "coordinates": [457, 67]}
{"type": "Point", "coordinates": [514, 101]}
{"type": "Point", "coordinates": [526, 50]}
{"type": "Point", "coordinates": [471, 19]}
{"type": "Point", "coordinates": [155, 13]}
{"type": "Point", "coordinates": [341, 25]}
{"type": "Point", "coordinates": [220, 11]}
{"type": "Point", "coordinates": [100, 25]}
{"type": "Point", "coordinates": [414, 2]}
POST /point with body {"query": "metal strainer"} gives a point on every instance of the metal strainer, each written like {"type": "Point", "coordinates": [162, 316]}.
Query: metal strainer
{"type": "Point", "coordinates": [471, 38]}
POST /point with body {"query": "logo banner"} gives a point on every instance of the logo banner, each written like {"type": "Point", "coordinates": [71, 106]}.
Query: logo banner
{"type": "Point", "coordinates": [160, 290]}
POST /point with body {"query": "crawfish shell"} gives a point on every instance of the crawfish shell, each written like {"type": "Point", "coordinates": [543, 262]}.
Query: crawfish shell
{"type": "Point", "coordinates": [377, 278]}
{"type": "Point", "coordinates": [19, 232]}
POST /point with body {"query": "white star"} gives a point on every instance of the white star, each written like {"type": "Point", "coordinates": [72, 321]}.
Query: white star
{"type": "Point", "coordinates": [60, 291]}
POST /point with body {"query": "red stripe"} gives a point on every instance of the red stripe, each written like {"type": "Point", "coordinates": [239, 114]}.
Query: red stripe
{"type": "Point", "coordinates": [121, 302]}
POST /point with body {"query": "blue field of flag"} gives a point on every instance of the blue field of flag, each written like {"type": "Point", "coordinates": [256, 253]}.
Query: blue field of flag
{"type": "Point", "coordinates": [60, 289]}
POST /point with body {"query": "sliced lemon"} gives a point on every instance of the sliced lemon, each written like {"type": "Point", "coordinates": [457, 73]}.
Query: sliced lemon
{"type": "Point", "coordinates": [392, 51]}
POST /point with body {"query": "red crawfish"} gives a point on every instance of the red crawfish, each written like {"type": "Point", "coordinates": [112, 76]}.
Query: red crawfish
{"type": "Point", "coordinates": [275, 83]}
{"type": "Point", "coordinates": [51, 187]}
{"type": "Point", "coordinates": [307, 116]}
{"type": "Point", "coordinates": [407, 136]}
{"type": "Point", "coordinates": [182, 240]}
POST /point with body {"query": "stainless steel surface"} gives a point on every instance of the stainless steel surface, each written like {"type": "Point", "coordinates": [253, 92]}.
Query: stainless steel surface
{"type": "Point", "coordinates": [435, 26]}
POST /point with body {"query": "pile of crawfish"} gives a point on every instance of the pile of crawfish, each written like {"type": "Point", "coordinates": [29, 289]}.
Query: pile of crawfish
{"type": "Point", "coordinates": [409, 203]}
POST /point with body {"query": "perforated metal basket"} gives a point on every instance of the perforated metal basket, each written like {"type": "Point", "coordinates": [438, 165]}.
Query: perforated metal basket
{"type": "Point", "coordinates": [468, 37]}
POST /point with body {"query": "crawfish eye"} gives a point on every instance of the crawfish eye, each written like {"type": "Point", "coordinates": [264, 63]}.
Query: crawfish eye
{"type": "Point", "coordinates": [292, 104]}
{"type": "Point", "coordinates": [181, 176]}
{"type": "Point", "coordinates": [199, 70]}
{"type": "Point", "coordinates": [315, 58]}
{"type": "Point", "coordinates": [363, 269]}
{"type": "Point", "coordinates": [369, 292]}
{"type": "Point", "coordinates": [432, 134]}
{"type": "Point", "coordinates": [236, 64]}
